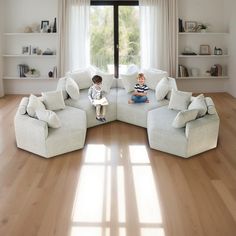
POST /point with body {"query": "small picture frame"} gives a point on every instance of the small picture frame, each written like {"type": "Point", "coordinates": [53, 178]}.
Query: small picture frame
{"type": "Point", "coordinates": [190, 26]}
{"type": "Point", "coordinates": [34, 50]}
{"type": "Point", "coordinates": [44, 26]}
{"type": "Point", "coordinates": [205, 50]}
{"type": "Point", "coordinates": [26, 50]}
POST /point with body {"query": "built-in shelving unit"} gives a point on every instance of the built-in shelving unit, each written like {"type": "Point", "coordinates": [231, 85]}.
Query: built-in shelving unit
{"type": "Point", "coordinates": [25, 46]}
{"type": "Point", "coordinates": [198, 62]}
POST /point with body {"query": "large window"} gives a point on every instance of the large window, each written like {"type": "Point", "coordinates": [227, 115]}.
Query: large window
{"type": "Point", "coordinates": [114, 34]}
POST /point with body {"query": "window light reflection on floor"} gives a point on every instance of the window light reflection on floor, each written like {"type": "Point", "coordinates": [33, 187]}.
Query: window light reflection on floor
{"type": "Point", "coordinates": [89, 199]}
{"type": "Point", "coordinates": [97, 153]}
{"type": "Point", "coordinates": [147, 201]}
{"type": "Point", "coordinates": [152, 232]}
{"type": "Point", "coordinates": [138, 154]}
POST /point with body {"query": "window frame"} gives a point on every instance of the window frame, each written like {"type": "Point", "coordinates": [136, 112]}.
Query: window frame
{"type": "Point", "coordinates": [115, 5]}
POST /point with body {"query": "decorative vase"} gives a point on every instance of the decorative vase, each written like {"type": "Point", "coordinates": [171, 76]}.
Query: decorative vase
{"type": "Point", "coordinates": [55, 25]}
{"type": "Point", "coordinates": [50, 74]}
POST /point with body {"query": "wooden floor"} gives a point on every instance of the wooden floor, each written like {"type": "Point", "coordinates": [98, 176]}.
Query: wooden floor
{"type": "Point", "coordinates": [117, 185]}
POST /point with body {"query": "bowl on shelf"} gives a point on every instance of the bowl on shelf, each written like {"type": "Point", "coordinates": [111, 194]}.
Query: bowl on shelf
{"type": "Point", "coordinates": [32, 74]}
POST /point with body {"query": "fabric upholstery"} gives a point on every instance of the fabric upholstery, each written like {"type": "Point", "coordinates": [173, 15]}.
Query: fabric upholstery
{"type": "Point", "coordinates": [49, 117]}
{"type": "Point", "coordinates": [183, 117]}
{"type": "Point", "coordinates": [210, 106]}
{"type": "Point", "coordinates": [53, 100]}
{"type": "Point", "coordinates": [153, 77]}
{"type": "Point", "coordinates": [82, 77]}
{"type": "Point", "coordinates": [61, 85]}
{"type": "Point", "coordinates": [199, 103]}
{"type": "Point", "coordinates": [162, 89]}
{"type": "Point", "coordinates": [72, 88]}
{"type": "Point", "coordinates": [23, 105]}
{"type": "Point", "coordinates": [128, 81]}
{"type": "Point", "coordinates": [33, 105]}
{"type": "Point", "coordinates": [179, 100]}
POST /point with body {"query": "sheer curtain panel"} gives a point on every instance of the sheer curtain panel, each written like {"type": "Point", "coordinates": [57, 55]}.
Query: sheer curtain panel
{"type": "Point", "coordinates": [74, 35]}
{"type": "Point", "coordinates": [158, 34]}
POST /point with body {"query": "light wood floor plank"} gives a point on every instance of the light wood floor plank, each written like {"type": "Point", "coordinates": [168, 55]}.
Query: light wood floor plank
{"type": "Point", "coordinates": [130, 189]}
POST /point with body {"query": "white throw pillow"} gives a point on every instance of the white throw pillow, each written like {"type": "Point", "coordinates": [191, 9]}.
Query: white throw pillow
{"type": "Point", "coordinates": [179, 100]}
{"type": "Point", "coordinates": [50, 117]}
{"type": "Point", "coordinates": [153, 76]}
{"type": "Point", "coordinates": [33, 105]}
{"type": "Point", "coordinates": [61, 85]}
{"type": "Point", "coordinates": [210, 106]}
{"type": "Point", "coordinates": [72, 88]}
{"type": "Point", "coordinates": [53, 100]}
{"type": "Point", "coordinates": [81, 77]}
{"type": "Point", "coordinates": [183, 117]}
{"type": "Point", "coordinates": [162, 89]}
{"type": "Point", "coordinates": [23, 105]}
{"type": "Point", "coordinates": [129, 81]}
{"type": "Point", "coordinates": [199, 103]}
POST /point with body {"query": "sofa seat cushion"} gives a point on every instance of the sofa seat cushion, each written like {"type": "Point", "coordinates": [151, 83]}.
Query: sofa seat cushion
{"type": "Point", "coordinates": [136, 114]}
{"type": "Point", "coordinates": [162, 135]}
{"type": "Point", "coordinates": [71, 135]}
{"type": "Point", "coordinates": [84, 103]}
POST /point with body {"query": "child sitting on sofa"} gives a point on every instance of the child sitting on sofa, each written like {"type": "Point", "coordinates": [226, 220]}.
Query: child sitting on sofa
{"type": "Point", "coordinates": [140, 91]}
{"type": "Point", "coordinates": [96, 97]}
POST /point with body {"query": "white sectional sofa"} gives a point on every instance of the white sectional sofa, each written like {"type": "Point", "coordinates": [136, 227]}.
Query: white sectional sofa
{"type": "Point", "coordinates": [198, 136]}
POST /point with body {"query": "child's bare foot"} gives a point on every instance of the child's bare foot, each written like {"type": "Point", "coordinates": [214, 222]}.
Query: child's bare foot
{"type": "Point", "coordinates": [130, 102]}
{"type": "Point", "coordinates": [147, 101]}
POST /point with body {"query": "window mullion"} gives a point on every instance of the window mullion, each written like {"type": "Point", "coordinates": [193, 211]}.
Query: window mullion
{"type": "Point", "coordinates": [116, 40]}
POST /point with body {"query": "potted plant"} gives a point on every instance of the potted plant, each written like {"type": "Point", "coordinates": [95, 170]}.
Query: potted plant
{"type": "Point", "coordinates": [202, 27]}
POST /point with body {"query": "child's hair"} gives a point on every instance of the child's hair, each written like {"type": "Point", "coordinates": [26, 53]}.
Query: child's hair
{"type": "Point", "coordinates": [97, 79]}
{"type": "Point", "coordinates": [140, 75]}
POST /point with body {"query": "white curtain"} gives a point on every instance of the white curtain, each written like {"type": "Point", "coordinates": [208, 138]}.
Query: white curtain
{"type": "Point", "coordinates": [74, 35]}
{"type": "Point", "coordinates": [158, 34]}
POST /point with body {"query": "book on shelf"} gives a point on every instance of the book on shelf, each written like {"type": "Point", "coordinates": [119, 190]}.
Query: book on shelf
{"type": "Point", "coordinates": [22, 69]}
{"type": "Point", "coordinates": [183, 71]}
{"type": "Point", "coordinates": [103, 101]}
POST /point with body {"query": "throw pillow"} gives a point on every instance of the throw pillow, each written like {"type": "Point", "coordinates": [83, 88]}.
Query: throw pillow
{"type": "Point", "coordinates": [33, 105]}
{"type": "Point", "coordinates": [107, 80]}
{"type": "Point", "coordinates": [210, 106]}
{"type": "Point", "coordinates": [179, 100]}
{"type": "Point", "coordinates": [72, 88]}
{"type": "Point", "coordinates": [50, 117]}
{"type": "Point", "coordinates": [23, 105]}
{"type": "Point", "coordinates": [199, 103]}
{"type": "Point", "coordinates": [183, 117]}
{"type": "Point", "coordinates": [82, 77]}
{"type": "Point", "coordinates": [53, 100]}
{"type": "Point", "coordinates": [162, 89]}
{"type": "Point", "coordinates": [129, 81]}
{"type": "Point", "coordinates": [153, 76]}
{"type": "Point", "coordinates": [61, 85]}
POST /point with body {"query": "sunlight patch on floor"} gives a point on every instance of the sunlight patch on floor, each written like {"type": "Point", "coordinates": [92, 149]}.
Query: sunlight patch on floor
{"type": "Point", "coordinates": [152, 232]}
{"type": "Point", "coordinates": [90, 195]}
{"type": "Point", "coordinates": [97, 153]}
{"type": "Point", "coordinates": [121, 194]}
{"type": "Point", "coordinates": [138, 154]}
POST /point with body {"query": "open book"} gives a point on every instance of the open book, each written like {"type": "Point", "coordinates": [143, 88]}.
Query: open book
{"type": "Point", "coordinates": [103, 101]}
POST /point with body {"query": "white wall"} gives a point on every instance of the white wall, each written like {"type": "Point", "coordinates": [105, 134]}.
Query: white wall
{"type": "Point", "coordinates": [1, 43]}
{"type": "Point", "coordinates": [230, 11]}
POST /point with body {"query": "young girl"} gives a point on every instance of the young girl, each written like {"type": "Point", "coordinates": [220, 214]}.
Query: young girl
{"type": "Point", "coordinates": [140, 91]}
{"type": "Point", "coordinates": [95, 93]}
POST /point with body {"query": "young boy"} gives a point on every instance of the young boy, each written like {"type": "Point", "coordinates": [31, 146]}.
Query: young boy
{"type": "Point", "coordinates": [95, 93]}
{"type": "Point", "coordinates": [140, 91]}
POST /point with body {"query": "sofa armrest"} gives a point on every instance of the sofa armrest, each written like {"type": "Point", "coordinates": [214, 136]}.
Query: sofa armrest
{"type": "Point", "coordinates": [202, 134]}
{"type": "Point", "coordinates": [30, 128]}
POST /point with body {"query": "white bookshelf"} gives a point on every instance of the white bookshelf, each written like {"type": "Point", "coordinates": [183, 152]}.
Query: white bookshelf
{"type": "Point", "coordinates": [203, 63]}
{"type": "Point", "coordinates": [16, 21]}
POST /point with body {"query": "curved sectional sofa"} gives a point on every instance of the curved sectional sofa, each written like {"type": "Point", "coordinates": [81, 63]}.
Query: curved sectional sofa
{"type": "Point", "coordinates": [78, 114]}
